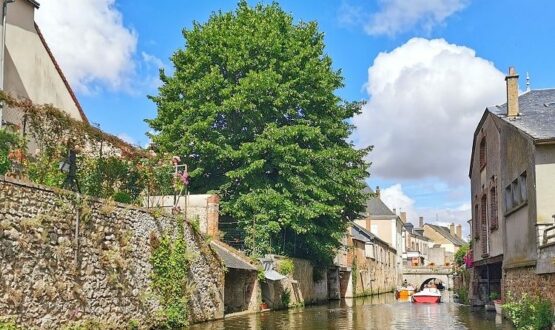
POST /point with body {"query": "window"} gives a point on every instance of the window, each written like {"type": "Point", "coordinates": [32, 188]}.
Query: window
{"type": "Point", "coordinates": [476, 223]}
{"type": "Point", "coordinates": [374, 229]}
{"type": "Point", "coordinates": [523, 188]}
{"type": "Point", "coordinates": [483, 150]}
{"type": "Point", "coordinates": [484, 225]}
{"type": "Point", "coordinates": [493, 208]}
{"type": "Point", "coordinates": [516, 194]}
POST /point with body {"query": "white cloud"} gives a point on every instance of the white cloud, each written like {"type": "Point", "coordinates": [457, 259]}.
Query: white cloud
{"type": "Point", "coordinates": [395, 197]}
{"type": "Point", "coordinates": [397, 16]}
{"type": "Point", "coordinates": [90, 42]}
{"type": "Point", "coordinates": [426, 98]}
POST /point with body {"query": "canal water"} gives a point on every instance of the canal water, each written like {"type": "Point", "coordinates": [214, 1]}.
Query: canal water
{"type": "Point", "coordinates": [376, 312]}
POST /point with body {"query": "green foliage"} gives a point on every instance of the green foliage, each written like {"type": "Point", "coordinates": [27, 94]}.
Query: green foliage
{"type": "Point", "coordinates": [354, 275]}
{"type": "Point", "coordinates": [7, 324]}
{"type": "Point", "coordinates": [494, 295]}
{"type": "Point", "coordinates": [133, 325]}
{"type": "Point", "coordinates": [170, 266]}
{"type": "Point", "coordinates": [461, 252]}
{"type": "Point", "coordinates": [286, 266]}
{"type": "Point", "coordinates": [251, 108]}
{"type": "Point", "coordinates": [286, 298]}
{"type": "Point", "coordinates": [317, 274]}
{"type": "Point", "coordinates": [8, 141]}
{"type": "Point", "coordinates": [260, 274]}
{"type": "Point", "coordinates": [529, 312]}
{"type": "Point", "coordinates": [463, 296]}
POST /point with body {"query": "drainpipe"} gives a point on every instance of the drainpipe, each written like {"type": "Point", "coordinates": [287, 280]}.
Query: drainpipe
{"type": "Point", "coordinates": [2, 46]}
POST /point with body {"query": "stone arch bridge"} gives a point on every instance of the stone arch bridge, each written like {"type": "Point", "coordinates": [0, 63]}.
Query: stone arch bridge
{"type": "Point", "coordinates": [422, 275]}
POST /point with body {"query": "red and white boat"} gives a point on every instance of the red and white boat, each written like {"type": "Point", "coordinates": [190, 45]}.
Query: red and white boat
{"type": "Point", "coordinates": [427, 296]}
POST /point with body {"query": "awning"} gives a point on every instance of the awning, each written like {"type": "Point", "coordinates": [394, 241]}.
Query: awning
{"type": "Point", "coordinates": [272, 275]}
{"type": "Point", "coordinates": [231, 260]}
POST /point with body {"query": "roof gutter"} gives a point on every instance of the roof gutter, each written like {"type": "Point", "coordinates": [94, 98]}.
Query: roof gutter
{"type": "Point", "coordinates": [544, 141]}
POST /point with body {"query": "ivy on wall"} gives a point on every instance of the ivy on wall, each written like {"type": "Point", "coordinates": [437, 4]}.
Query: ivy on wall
{"type": "Point", "coordinates": [107, 167]}
{"type": "Point", "coordinates": [170, 265]}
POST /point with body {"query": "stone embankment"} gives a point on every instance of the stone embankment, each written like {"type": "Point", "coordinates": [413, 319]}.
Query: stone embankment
{"type": "Point", "coordinates": [65, 257]}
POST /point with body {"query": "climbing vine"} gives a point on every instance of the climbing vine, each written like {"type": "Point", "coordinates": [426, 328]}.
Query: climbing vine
{"type": "Point", "coordinates": [170, 266]}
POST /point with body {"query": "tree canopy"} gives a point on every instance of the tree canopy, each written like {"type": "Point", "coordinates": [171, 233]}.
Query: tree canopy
{"type": "Point", "coordinates": [251, 108]}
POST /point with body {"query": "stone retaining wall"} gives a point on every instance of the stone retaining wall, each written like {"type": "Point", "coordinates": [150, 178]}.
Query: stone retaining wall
{"type": "Point", "coordinates": [525, 280]}
{"type": "Point", "coordinates": [65, 258]}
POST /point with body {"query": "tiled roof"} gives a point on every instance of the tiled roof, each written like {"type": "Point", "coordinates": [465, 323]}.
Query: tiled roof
{"type": "Point", "coordinates": [376, 208]}
{"type": "Point", "coordinates": [230, 259]}
{"type": "Point", "coordinates": [537, 114]}
{"type": "Point", "coordinates": [445, 232]}
{"type": "Point", "coordinates": [362, 234]}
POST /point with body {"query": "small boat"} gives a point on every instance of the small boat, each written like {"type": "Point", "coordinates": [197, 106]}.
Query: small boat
{"type": "Point", "coordinates": [405, 292]}
{"type": "Point", "coordinates": [427, 296]}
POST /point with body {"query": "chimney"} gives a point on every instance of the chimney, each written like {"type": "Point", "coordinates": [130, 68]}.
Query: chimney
{"type": "Point", "coordinates": [378, 191]}
{"type": "Point", "coordinates": [403, 217]}
{"type": "Point", "coordinates": [452, 229]}
{"type": "Point", "coordinates": [459, 231]}
{"type": "Point", "coordinates": [512, 93]}
{"type": "Point", "coordinates": [421, 222]}
{"type": "Point", "coordinates": [395, 211]}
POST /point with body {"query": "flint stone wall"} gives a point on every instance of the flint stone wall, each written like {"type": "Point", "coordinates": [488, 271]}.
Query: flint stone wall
{"type": "Point", "coordinates": [64, 259]}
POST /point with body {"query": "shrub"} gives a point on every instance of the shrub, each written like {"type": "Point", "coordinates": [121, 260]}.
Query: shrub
{"type": "Point", "coordinates": [286, 266]}
{"type": "Point", "coordinates": [529, 312]}
{"type": "Point", "coordinates": [8, 141]}
{"type": "Point", "coordinates": [463, 295]}
{"type": "Point", "coordinates": [170, 266]}
{"type": "Point", "coordinates": [286, 298]}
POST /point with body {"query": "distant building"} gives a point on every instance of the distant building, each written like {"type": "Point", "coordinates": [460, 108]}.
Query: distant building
{"type": "Point", "coordinates": [381, 221]}
{"type": "Point", "coordinates": [448, 238]}
{"type": "Point", "coordinates": [416, 247]}
{"type": "Point", "coordinates": [512, 171]}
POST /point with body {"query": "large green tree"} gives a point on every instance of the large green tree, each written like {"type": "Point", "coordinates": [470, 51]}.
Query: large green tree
{"type": "Point", "coordinates": [251, 108]}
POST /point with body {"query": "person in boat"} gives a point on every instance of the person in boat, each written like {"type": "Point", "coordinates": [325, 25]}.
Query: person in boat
{"type": "Point", "coordinates": [405, 283]}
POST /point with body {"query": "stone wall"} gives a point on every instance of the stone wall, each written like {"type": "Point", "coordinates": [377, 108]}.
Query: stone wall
{"type": "Point", "coordinates": [64, 258]}
{"type": "Point", "coordinates": [525, 280]}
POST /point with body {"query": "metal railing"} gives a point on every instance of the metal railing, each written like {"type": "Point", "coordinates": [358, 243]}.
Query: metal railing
{"type": "Point", "coordinates": [549, 235]}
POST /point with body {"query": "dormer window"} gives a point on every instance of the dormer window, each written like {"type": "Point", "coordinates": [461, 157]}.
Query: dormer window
{"type": "Point", "coordinates": [483, 150]}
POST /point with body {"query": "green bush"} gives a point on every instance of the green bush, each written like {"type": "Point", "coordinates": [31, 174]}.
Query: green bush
{"type": "Point", "coordinates": [529, 312]}
{"type": "Point", "coordinates": [463, 296]}
{"type": "Point", "coordinates": [170, 267]}
{"type": "Point", "coordinates": [286, 298]}
{"type": "Point", "coordinates": [286, 266]}
{"type": "Point", "coordinates": [8, 141]}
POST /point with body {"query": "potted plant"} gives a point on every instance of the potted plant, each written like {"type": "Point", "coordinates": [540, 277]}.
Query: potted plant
{"type": "Point", "coordinates": [494, 296]}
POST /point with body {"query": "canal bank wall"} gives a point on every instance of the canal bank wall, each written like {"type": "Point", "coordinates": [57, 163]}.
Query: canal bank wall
{"type": "Point", "coordinates": [65, 258]}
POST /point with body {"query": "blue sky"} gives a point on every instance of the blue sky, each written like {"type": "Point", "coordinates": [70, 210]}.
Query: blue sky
{"type": "Point", "coordinates": [425, 94]}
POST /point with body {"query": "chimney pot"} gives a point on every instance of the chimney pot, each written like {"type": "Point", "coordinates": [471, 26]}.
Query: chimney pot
{"type": "Point", "coordinates": [421, 222]}
{"type": "Point", "coordinates": [378, 191]}
{"type": "Point", "coordinates": [452, 229]}
{"type": "Point", "coordinates": [395, 211]}
{"type": "Point", "coordinates": [404, 217]}
{"type": "Point", "coordinates": [512, 93]}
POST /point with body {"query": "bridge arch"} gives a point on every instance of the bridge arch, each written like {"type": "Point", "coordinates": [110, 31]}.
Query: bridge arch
{"type": "Point", "coordinates": [437, 281]}
{"type": "Point", "coordinates": [419, 276]}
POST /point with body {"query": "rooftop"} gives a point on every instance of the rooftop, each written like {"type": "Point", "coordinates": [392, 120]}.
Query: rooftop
{"type": "Point", "coordinates": [377, 208]}
{"type": "Point", "coordinates": [445, 232]}
{"type": "Point", "coordinates": [537, 114]}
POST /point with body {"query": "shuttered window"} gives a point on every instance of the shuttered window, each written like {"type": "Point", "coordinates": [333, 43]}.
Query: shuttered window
{"type": "Point", "coordinates": [493, 208]}
{"type": "Point", "coordinates": [484, 225]}
{"type": "Point", "coordinates": [483, 150]}
{"type": "Point", "coordinates": [476, 222]}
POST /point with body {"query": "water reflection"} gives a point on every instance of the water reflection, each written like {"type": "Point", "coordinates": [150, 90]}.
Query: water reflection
{"type": "Point", "coordinates": [376, 312]}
